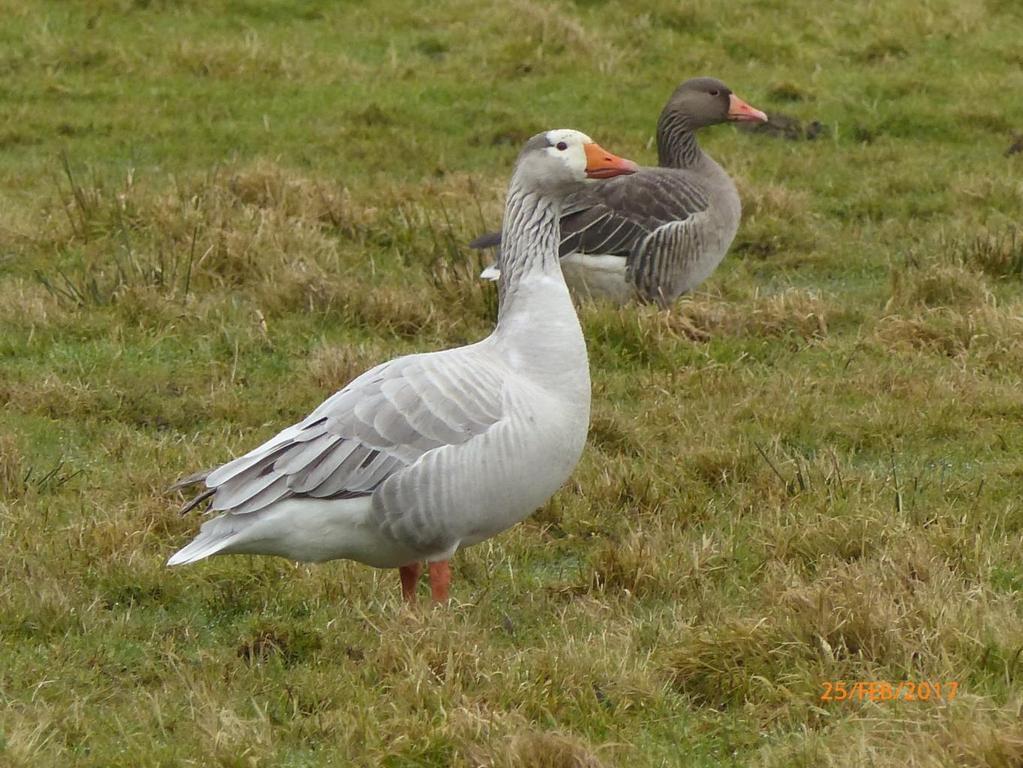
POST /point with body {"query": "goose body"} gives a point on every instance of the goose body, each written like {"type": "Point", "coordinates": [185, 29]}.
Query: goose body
{"type": "Point", "coordinates": [432, 452]}
{"type": "Point", "coordinates": [662, 231]}
{"type": "Point", "coordinates": [415, 458]}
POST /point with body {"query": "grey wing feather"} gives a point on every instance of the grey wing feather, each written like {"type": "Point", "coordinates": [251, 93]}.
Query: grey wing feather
{"type": "Point", "coordinates": [314, 477]}
{"type": "Point", "coordinates": [615, 217]}
{"type": "Point", "coordinates": [381, 422]}
{"type": "Point", "coordinates": [275, 491]}
{"type": "Point", "coordinates": [194, 502]}
{"type": "Point", "coordinates": [305, 453]}
{"type": "Point", "coordinates": [191, 479]}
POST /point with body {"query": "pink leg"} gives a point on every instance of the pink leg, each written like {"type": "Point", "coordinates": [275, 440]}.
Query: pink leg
{"type": "Point", "coordinates": [440, 581]}
{"type": "Point", "coordinates": [409, 578]}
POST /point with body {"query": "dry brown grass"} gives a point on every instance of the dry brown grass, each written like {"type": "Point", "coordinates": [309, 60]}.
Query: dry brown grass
{"type": "Point", "coordinates": [794, 312]}
{"type": "Point", "coordinates": [331, 366]}
{"type": "Point", "coordinates": [999, 255]}
{"type": "Point", "coordinates": [25, 304]}
{"type": "Point", "coordinates": [988, 335]}
{"type": "Point", "coordinates": [547, 749]}
{"type": "Point", "coordinates": [228, 228]}
{"type": "Point", "coordinates": [966, 734]}
{"type": "Point", "coordinates": [12, 468]}
{"type": "Point", "coordinates": [937, 286]}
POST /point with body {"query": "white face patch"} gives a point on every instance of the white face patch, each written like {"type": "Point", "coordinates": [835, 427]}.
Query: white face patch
{"type": "Point", "coordinates": [573, 154]}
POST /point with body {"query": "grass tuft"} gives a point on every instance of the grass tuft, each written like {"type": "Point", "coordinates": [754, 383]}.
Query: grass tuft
{"type": "Point", "coordinates": [937, 286]}
{"type": "Point", "coordinates": [988, 335]}
{"type": "Point", "coordinates": [12, 468]}
{"type": "Point", "coordinates": [999, 255]}
{"type": "Point", "coordinates": [793, 312]}
{"type": "Point", "coordinates": [548, 749]}
{"type": "Point", "coordinates": [266, 642]}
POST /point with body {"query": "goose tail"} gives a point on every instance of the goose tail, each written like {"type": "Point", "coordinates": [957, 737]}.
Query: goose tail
{"type": "Point", "coordinates": [214, 536]}
{"type": "Point", "coordinates": [489, 240]}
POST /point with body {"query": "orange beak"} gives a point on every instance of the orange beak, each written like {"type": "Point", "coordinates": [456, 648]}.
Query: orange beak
{"type": "Point", "coordinates": [601, 164]}
{"type": "Point", "coordinates": [740, 111]}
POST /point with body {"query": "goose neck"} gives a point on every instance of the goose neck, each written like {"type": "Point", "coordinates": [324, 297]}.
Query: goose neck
{"type": "Point", "coordinates": [676, 141]}
{"type": "Point", "coordinates": [529, 243]}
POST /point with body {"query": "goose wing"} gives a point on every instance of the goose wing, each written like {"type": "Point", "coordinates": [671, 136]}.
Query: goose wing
{"type": "Point", "coordinates": [615, 218]}
{"type": "Point", "coordinates": [382, 422]}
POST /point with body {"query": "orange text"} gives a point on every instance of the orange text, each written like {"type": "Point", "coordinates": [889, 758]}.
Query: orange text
{"type": "Point", "coordinates": [881, 690]}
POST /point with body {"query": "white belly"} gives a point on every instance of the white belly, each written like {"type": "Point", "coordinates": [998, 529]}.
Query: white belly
{"type": "Point", "coordinates": [316, 530]}
{"type": "Point", "coordinates": [597, 276]}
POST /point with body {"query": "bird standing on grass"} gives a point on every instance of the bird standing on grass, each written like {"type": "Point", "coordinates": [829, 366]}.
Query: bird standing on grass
{"type": "Point", "coordinates": [432, 452]}
{"type": "Point", "coordinates": [662, 231]}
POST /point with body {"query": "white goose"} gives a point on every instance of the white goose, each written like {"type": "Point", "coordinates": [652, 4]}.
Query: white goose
{"type": "Point", "coordinates": [429, 453]}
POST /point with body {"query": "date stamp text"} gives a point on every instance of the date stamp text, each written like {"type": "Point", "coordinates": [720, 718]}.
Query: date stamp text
{"type": "Point", "coordinates": [882, 690]}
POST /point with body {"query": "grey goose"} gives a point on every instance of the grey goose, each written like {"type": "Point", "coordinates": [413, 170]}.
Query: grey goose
{"type": "Point", "coordinates": [432, 452]}
{"type": "Point", "coordinates": [662, 231]}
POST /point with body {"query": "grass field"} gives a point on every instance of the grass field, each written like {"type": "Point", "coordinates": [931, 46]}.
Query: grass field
{"type": "Point", "coordinates": [213, 214]}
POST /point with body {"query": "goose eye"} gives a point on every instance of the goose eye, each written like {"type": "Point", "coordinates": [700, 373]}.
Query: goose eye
{"type": "Point", "coordinates": [715, 93]}
{"type": "Point", "coordinates": [562, 146]}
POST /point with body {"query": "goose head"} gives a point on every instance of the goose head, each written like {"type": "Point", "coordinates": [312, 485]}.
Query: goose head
{"type": "Point", "coordinates": [555, 162]}
{"type": "Point", "coordinates": [704, 101]}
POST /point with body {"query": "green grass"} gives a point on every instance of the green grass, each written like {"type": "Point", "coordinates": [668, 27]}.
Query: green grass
{"type": "Point", "coordinates": [214, 214]}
